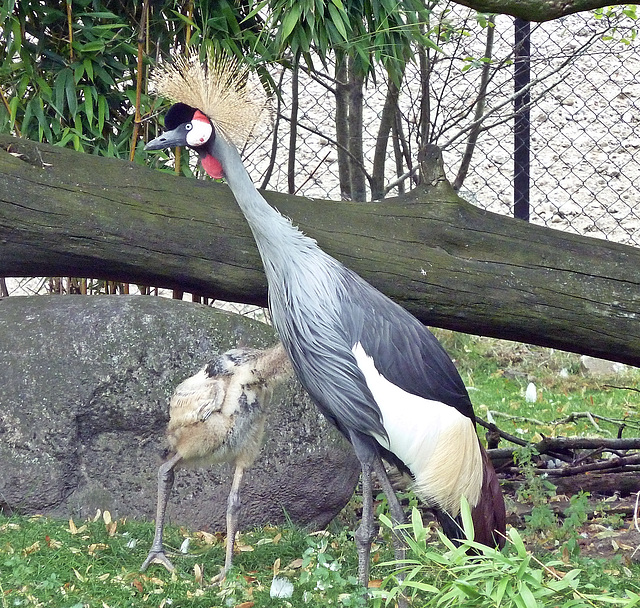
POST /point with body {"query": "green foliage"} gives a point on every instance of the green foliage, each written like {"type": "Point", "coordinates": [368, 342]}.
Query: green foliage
{"type": "Point", "coordinates": [370, 32]}
{"type": "Point", "coordinates": [51, 562]}
{"type": "Point", "coordinates": [68, 92]}
{"type": "Point", "coordinates": [569, 403]}
{"type": "Point", "coordinates": [472, 575]}
{"type": "Point", "coordinates": [321, 571]}
{"type": "Point", "coordinates": [616, 15]}
{"type": "Point", "coordinates": [69, 70]}
{"type": "Point", "coordinates": [536, 489]}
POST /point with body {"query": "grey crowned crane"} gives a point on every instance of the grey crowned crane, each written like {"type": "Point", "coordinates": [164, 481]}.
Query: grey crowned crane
{"type": "Point", "coordinates": [216, 416]}
{"type": "Point", "coordinates": [372, 368]}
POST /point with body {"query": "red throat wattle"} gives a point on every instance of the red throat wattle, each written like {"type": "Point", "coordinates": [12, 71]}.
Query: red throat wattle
{"type": "Point", "coordinates": [212, 166]}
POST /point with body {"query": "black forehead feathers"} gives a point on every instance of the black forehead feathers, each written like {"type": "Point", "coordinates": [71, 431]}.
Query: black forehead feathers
{"type": "Point", "coordinates": [177, 115]}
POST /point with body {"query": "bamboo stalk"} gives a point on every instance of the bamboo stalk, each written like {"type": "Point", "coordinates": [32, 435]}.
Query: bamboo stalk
{"type": "Point", "coordinates": [187, 41]}
{"type": "Point", "coordinates": [139, 71]}
{"type": "Point", "coordinates": [70, 26]}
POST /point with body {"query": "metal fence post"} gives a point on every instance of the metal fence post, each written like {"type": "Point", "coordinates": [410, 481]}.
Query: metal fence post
{"type": "Point", "coordinates": [522, 123]}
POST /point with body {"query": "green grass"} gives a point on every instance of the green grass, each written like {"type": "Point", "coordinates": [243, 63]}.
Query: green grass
{"type": "Point", "coordinates": [497, 373]}
{"type": "Point", "coordinates": [48, 562]}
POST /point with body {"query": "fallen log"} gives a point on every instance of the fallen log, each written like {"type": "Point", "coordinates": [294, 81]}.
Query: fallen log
{"type": "Point", "coordinates": [453, 265]}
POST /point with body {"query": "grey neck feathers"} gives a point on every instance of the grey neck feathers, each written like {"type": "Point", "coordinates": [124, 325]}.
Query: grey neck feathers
{"type": "Point", "coordinates": [277, 239]}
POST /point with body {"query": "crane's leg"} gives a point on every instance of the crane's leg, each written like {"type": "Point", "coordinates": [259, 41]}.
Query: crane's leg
{"type": "Point", "coordinates": [233, 506]}
{"type": "Point", "coordinates": [370, 461]}
{"type": "Point", "coordinates": [397, 513]}
{"type": "Point", "coordinates": [366, 454]}
{"type": "Point", "coordinates": [165, 483]}
{"type": "Point", "coordinates": [365, 533]}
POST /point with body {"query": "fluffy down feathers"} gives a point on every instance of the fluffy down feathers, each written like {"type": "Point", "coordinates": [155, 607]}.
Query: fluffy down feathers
{"type": "Point", "coordinates": [218, 414]}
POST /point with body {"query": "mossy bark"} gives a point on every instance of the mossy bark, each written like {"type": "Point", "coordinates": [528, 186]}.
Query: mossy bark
{"type": "Point", "coordinates": [451, 264]}
{"type": "Point", "coordinates": [536, 10]}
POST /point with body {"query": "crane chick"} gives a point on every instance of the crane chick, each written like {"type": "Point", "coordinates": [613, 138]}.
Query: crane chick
{"type": "Point", "coordinates": [216, 416]}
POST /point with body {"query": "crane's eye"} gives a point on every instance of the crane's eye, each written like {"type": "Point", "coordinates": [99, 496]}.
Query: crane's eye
{"type": "Point", "coordinates": [199, 132]}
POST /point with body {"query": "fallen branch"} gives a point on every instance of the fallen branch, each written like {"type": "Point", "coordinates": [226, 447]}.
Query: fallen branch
{"type": "Point", "coordinates": [622, 388]}
{"type": "Point", "coordinates": [573, 417]}
{"type": "Point", "coordinates": [493, 428]}
{"type": "Point", "coordinates": [602, 465]}
{"type": "Point", "coordinates": [551, 446]}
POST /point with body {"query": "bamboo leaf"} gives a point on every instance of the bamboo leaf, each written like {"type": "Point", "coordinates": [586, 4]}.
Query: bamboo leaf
{"type": "Point", "coordinates": [13, 107]}
{"type": "Point", "coordinates": [419, 532]}
{"type": "Point", "coordinates": [70, 90]}
{"type": "Point", "coordinates": [26, 119]}
{"type": "Point", "coordinates": [103, 75]}
{"type": "Point", "coordinates": [500, 590]}
{"type": "Point", "coordinates": [467, 520]}
{"type": "Point", "coordinates": [38, 110]}
{"type": "Point", "coordinates": [527, 596]}
{"type": "Point", "coordinates": [88, 105]}
{"type": "Point", "coordinates": [337, 20]}
{"type": "Point", "coordinates": [59, 90]}
{"type": "Point", "coordinates": [258, 7]}
{"type": "Point", "coordinates": [78, 72]}
{"type": "Point", "coordinates": [92, 47]}
{"type": "Point", "coordinates": [103, 111]}
{"type": "Point", "coordinates": [290, 21]}
{"type": "Point", "coordinates": [88, 68]}
{"type": "Point", "coordinates": [516, 539]}
{"type": "Point", "coordinates": [422, 586]}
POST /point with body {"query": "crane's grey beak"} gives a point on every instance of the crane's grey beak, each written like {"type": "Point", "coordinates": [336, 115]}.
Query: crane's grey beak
{"type": "Point", "coordinates": [169, 139]}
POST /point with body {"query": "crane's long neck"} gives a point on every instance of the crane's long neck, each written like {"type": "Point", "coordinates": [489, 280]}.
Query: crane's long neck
{"type": "Point", "coordinates": [277, 239]}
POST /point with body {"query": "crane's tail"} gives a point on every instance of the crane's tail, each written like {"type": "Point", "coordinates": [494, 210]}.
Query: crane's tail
{"type": "Point", "coordinates": [488, 515]}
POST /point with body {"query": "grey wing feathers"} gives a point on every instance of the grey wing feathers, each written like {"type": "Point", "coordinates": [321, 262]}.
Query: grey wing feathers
{"type": "Point", "coordinates": [405, 352]}
{"type": "Point", "coordinates": [320, 343]}
{"type": "Point", "coordinates": [342, 394]}
{"type": "Point", "coordinates": [322, 359]}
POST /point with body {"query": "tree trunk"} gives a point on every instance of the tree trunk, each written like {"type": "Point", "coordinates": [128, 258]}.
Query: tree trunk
{"type": "Point", "coordinates": [356, 120]}
{"type": "Point", "coordinates": [342, 125]}
{"type": "Point", "coordinates": [387, 119]}
{"type": "Point", "coordinates": [452, 265]}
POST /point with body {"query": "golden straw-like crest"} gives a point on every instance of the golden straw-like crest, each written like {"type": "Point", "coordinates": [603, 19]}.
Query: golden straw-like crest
{"type": "Point", "coordinates": [221, 88]}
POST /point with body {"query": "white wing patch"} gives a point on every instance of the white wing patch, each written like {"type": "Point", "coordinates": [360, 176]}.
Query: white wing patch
{"type": "Point", "coordinates": [438, 444]}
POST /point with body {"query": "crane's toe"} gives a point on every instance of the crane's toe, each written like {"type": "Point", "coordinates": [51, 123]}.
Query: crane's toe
{"type": "Point", "coordinates": [157, 557]}
{"type": "Point", "coordinates": [216, 580]}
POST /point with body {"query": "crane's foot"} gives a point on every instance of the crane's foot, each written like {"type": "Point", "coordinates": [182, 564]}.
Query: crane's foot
{"type": "Point", "coordinates": [216, 580]}
{"type": "Point", "coordinates": [157, 557]}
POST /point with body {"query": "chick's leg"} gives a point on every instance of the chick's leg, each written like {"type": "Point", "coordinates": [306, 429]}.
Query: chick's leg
{"type": "Point", "coordinates": [165, 483]}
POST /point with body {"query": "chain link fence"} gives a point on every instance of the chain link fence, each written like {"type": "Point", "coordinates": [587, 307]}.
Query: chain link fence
{"type": "Point", "coordinates": [585, 119]}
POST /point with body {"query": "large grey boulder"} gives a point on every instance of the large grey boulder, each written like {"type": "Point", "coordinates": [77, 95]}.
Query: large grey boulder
{"type": "Point", "coordinates": [84, 389]}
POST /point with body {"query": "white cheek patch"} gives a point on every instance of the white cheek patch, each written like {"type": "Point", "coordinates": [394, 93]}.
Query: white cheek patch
{"type": "Point", "coordinates": [200, 133]}
{"type": "Point", "coordinates": [437, 443]}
